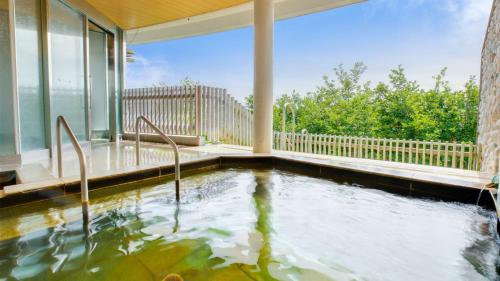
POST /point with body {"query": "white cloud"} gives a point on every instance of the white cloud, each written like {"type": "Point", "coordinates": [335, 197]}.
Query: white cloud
{"type": "Point", "coordinates": [466, 17]}
{"type": "Point", "coordinates": [146, 72]}
{"type": "Point", "coordinates": [469, 16]}
{"type": "Point", "coordinates": [450, 35]}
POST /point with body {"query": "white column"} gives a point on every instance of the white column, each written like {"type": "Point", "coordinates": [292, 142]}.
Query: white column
{"type": "Point", "coordinates": [13, 62]}
{"type": "Point", "coordinates": [263, 76]}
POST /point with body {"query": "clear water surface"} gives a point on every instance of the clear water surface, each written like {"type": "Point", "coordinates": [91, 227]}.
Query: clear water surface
{"type": "Point", "coordinates": [248, 225]}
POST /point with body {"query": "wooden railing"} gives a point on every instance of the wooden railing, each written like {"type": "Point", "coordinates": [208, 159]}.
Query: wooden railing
{"type": "Point", "coordinates": [441, 154]}
{"type": "Point", "coordinates": [189, 110]}
{"type": "Point", "coordinates": [214, 114]}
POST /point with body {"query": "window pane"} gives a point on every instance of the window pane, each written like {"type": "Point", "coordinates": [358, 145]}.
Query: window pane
{"type": "Point", "coordinates": [7, 146]}
{"type": "Point", "coordinates": [67, 62]}
{"type": "Point", "coordinates": [29, 74]}
{"type": "Point", "coordinates": [98, 68]}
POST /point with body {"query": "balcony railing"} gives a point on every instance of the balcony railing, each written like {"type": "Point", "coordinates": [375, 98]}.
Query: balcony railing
{"type": "Point", "coordinates": [441, 154]}
{"type": "Point", "coordinates": [189, 110]}
{"type": "Point", "coordinates": [211, 112]}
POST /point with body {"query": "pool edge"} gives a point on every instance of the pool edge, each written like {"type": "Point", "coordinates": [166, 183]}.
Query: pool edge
{"type": "Point", "coordinates": [399, 182]}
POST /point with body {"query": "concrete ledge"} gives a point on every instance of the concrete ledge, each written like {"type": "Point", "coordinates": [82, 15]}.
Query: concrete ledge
{"type": "Point", "coordinates": [178, 139]}
{"type": "Point", "coordinates": [404, 183]}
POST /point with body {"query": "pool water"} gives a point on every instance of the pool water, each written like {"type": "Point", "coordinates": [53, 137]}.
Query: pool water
{"type": "Point", "coordinates": [241, 224]}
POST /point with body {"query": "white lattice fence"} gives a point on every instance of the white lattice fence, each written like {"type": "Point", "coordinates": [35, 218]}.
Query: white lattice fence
{"type": "Point", "coordinates": [442, 154]}
{"type": "Point", "coordinates": [189, 110]}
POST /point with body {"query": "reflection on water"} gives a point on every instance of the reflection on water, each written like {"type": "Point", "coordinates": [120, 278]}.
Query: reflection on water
{"type": "Point", "coordinates": [262, 198]}
{"type": "Point", "coordinates": [105, 157]}
{"type": "Point", "coordinates": [248, 225]}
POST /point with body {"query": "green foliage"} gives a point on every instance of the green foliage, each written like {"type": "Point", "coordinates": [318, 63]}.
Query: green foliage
{"type": "Point", "coordinates": [130, 55]}
{"type": "Point", "coordinates": [249, 103]}
{"type": "Point", "coordinates": [399, 109]}
{"type": "Point", "coordinates": [188, 82]}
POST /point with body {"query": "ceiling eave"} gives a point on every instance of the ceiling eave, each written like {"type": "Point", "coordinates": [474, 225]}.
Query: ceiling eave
{"type": "Point", "coordinates": [227, 19]}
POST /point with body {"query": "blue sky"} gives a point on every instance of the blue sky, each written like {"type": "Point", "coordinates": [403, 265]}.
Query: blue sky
{"type": "Point", "coordinates": [422, 35]}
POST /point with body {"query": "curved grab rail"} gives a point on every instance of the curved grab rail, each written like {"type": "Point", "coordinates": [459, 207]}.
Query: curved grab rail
{"type": "Point", "coordinates": [283, 124]}
{"type": "Point", "coordinates": [283, 121]}
{"type": "Point", "coordinates": [61, 122]}
{"type": "Point", "coordinates": [165, 138]}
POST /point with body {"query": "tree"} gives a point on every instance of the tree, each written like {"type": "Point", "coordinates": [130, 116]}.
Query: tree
{"type": "Point", "coordinates": [188, 82]}
{"type": "Point", "coordinates": [399, 109]}
{"type": "Point", "coordinates": [249, 102]}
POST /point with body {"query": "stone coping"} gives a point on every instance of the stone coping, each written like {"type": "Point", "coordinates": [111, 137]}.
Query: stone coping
{"type": "Point", "coordinates": [405, 182]}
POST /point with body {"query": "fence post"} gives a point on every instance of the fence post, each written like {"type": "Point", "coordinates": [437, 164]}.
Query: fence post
{"type": "Point", "coordinates": [454, 155]}
{"type": "Point", "coordinates": [438, 160]}
{"type": "Point", "coordinates": [397, 150]}
{"type": "Point", "coordinates": [446, 154]}
{"type": "Point", "coordinates": [424, 149]}
{"type": "Point", "coordinates": [462, 155]}
{"type": "Point", "coordinates": [198, 110]}
{"type": "Point", "coordinates": [479, 149]}
{"type": "Point", "coordinates": [402, 148]}
{"type": "Point", "coordinates": [469, 163]}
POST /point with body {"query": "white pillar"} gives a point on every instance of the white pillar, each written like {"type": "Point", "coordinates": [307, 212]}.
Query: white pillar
{"type": "Point", "coordinates": [263, 76]}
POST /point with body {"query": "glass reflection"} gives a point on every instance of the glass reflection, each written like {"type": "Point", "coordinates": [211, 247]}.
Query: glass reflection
{"type": "Point", "coordinates": [7, 146]}
{"type": "Point", "coordinates": [67, 80]}
{"type": "Point", "coordinates": [29, 74]}
{"type": "Point", "coordinates": [262, 199]}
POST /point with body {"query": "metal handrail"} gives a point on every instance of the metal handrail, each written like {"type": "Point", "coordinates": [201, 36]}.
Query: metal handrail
{"type": "Point", "coordinates": [283, 121]}
{"type": "Point", "coordinates": [165, 138]}
{"type": "Point", "coordinates": [81, 156]}
{"type": "Point", "coordinates": [283, 124]}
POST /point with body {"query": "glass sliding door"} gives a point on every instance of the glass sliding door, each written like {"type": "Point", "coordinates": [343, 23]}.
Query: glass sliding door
{"type": "Point", "coordinates": [67, 86]}
{"type": "Point", "coordinates": [7, 143]}
{"type": "Point", "coordinates": [29, 74]}
{"type": "Point", "coordinates": [99, 83]}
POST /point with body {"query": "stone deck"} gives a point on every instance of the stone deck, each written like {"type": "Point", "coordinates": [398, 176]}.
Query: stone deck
{"type": "Point", "coordinates": [108, 159]}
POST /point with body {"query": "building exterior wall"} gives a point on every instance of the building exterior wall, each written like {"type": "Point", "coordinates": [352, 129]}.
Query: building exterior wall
{"type": "Point", "coordinates": [44, 46]}
{"type": "Point", "coordinates": [489, 104]}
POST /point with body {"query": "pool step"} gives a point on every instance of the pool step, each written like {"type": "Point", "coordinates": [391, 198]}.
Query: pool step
{"type": "Point", "coordinates": [7, 178]}
{"type": "Point", "coordinates": [33, 173]}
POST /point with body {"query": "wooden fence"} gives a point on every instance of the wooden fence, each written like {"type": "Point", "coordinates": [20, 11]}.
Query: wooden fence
{"type": "Point", "coordinates": [211, 112]}
{"type": "Point", "coordinates": [441, 154]}
{"type": "Point", "coordinates": [189, 110]}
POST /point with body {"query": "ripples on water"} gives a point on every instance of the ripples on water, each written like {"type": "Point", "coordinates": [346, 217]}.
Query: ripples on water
{"type": "Point", "coordinates": [249, 225]}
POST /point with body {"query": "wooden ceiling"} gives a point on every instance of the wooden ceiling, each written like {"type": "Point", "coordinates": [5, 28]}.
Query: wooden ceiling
{"type": "Point", "coordinates": [130, 14]}
{"type": "Point", "coordinates": [4, 5]}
